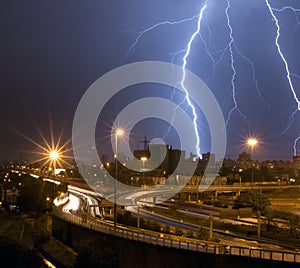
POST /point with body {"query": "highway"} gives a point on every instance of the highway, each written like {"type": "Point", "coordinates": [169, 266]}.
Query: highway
{"type": "Point", "coordinates": [89, 202]}
{"type": "Point", "coordinates": [89, 199]}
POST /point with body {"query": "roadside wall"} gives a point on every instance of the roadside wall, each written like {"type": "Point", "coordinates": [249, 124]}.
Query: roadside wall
{"type": "Point", "coordinates": [127, 253]}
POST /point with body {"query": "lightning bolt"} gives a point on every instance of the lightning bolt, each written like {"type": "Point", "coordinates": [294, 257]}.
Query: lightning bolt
{"type": "Point", "coordinates": [294, 10]}
{"type": "Point", "coordinates": [232, 48]}
{"type": "Point", "coordinates": [262, 99]}
{"type": "Point", "coordinates": [184, 77]}
{"type": "Point", "coordinates": [232, 64]}
{"type": "Point", "coordinates": [217, 56]}
{"type": "Point", "coordinates": [141, 33]}
{"type": "Point", "coordinates": [287, 68]}
{"type": "Point", "coordinates": [186, 54]}
{"type": "Point", "coordinates": [295, 145]}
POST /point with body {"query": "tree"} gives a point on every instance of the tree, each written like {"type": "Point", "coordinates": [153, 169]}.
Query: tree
{"type": "Point", "coordinates": [178, 231]}
{"type": "Point", "coordinates": [293, 224]}
{"type": "Point", "coordinates": [202, 233]}
{"type": "Point", "coordinates": [127, 218]}
{"type": "Point", "coordinates": [259, 203]}
{"type": "Point", "coordinates": [167, 229]}
{"type": "Point", "coordinates": [30, 195]}
{"type": "Point", "coordinates": [269, 217]}
{"type": "Point", "coordinates": [189, 233]}
{"type": "Point", "coordinates": [255, 200]}
{"type": "Point", "coordinates": [36, 195]}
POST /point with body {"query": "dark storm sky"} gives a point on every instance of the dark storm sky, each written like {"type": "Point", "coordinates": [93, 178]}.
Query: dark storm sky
{"type": "Point", "coordinates": [52, 51]}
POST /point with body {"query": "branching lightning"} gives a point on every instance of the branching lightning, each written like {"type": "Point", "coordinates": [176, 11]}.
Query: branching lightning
{"type": "Point", "coordinates": [184, 76]}
{"type": "Point", "coordinates": [287, 68]}
{"type": "Point", "coordinates": [232, 47]}
{"type": "Point", "coordinates": [232, 64]}
{"type": "Point", "coordinates": [187, 53]}
{"type": "Point", "coordinates": [141, 33]}
{"type": "Point", "coordinates": [262, 99]}
{"type": "Point", "coordinates": [217, 56]}
{"type": "Point", "coordinates": [294, 10]}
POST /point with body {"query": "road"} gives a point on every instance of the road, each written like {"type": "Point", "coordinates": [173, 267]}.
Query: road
{"type": "Point", "coordinates": [130, 199]}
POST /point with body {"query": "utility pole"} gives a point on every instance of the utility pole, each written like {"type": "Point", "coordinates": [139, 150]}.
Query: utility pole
{"type": "Point", "coordinates": [258, 224]}
{"type": "Point", "coordinates": [138, 219]}
{"type": "Point", "coordinates": [210, 227]}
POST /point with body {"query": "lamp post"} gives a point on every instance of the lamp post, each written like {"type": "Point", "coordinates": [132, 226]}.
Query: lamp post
{"type": "Point", "coordinates": [252, 142]}
{"type": "Point", "coordinates": [144, 158]}
{"type": "Point", "coordinates": [118, 132]}
{"type": "Point", "coordinates": [53, 155]}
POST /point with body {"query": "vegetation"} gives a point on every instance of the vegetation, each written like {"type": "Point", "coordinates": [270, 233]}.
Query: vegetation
{"type": "Point", "coordinates": [255, 200]}
{"type": "Point", "coordinates": [189, 233]}
{"type": "Point", "coordinates": [13, 254]}
{"type": "Point", "coordinates": [270, 215]}
{"type": "Point", "coordinates": [178, 231]}
{"type": "Point", "coordinates": [202, 234]}
{"type": "Point", "coordinates": [37, 195]}
{"type": "Point", "coordinates": [285, 193]}
{"type": "Point", "coordinates": [269, 228]}
{"type": "Point", "coordinates": [167, 229]}
{"type": "Point", "coordinates": [293, 224]}
{"type": "Point", "coordinates": [215, 203]}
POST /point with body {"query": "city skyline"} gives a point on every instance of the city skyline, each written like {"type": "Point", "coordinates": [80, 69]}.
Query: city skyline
{"type": "Point", "coordinates": [50, 61]}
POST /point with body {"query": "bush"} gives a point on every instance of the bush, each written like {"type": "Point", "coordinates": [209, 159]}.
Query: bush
{"type": "Point", "coordinates": [189, 233]}
{"type": "Point", "coordinates": [155, 226]}
{"type": "Point", "coordinates": [202, 233]}
{"type": "Point", "coordinates": [207, 202]}
{"type": "Point", "coordinates": [167, 229]}
{"type": "Point", "coordinates": [217, 204]}
{"type": "Point", "coordinates": [150, 225]}
{"type": "Point", "coordinates": [178, 231]}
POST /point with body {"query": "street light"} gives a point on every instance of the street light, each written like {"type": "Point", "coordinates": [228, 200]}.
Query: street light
{"type": "Point", "coordinates": [144, 158]}
{"type": "Point", "coordinates": [118, 132]}
{"type": "Point", "coordinates": [54, 156]}
{"type": "Point", "coordinates": [252, 142]}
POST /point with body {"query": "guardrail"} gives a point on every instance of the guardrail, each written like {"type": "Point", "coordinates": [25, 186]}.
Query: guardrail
{"type": "Point", "coordinates": [173, 241]}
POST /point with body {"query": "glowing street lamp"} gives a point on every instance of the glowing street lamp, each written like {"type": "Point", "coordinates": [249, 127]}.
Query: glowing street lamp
{"type": "Point", "coordinates": [144, 158]}
{"type": "Point", "coordinates": [54, 157]}
{"type": "Point", "coordinates": [252, 142]}
{"type": "Point", "coordinates": [118, 133]}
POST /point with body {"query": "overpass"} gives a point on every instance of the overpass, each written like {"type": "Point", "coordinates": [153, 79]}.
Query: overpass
{"type": "Point", "coordinates": [175, 242]}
